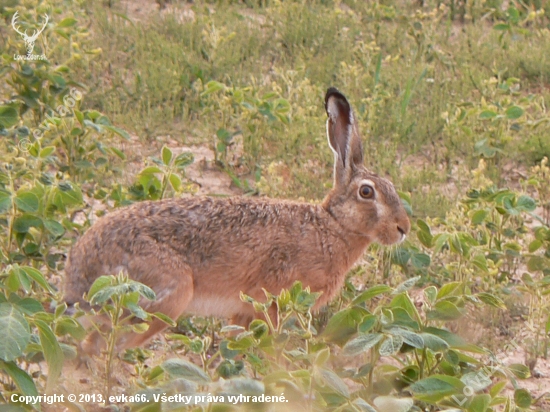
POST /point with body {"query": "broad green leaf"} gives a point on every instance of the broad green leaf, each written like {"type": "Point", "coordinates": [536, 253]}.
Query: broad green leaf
{"type": "Point", "coordinates": [23, 223]}
{"type": "Point", "coordinates": [333, 381]}
{"type": "Point", "coordinates": [166, 155]}
{"type": "Point", "coordinates": [99, 284]}
{"type": "Point", "coordinates": [479, 216]}
{"type": "Point", "coordinates": [342, 325]}
{"type": "Point", "coordinates": [391, 345]}
{"type": "Point", "coordinates": [371, 293]}
{"type": "Point", "coordinates": [537, 263]}
{"type": "Point", "coordinates": [175, 181]}
{"type": "Point", "coordinates": [361, 344]}
{"type": "Point", "coordinates": [27, 202]}
{"type": "Point", "coordinates": [514, 112]}
{"type": "Point", "coordinates": [180, 368]}
{"type": "Point", "coordinates": [522, 398]}
{"type": "Point", "coordinates": [437, 384]}
{"type": "Point", "coordinates": [491, 300]}
{"type": "Point", "coordinates": [445, 310]}
{"type": "Point", "coordinates": [15, 332]}
{"type": "Point", "coordinates": [448, 289]}
{"type": "Point", "coordinates": [5, 201]}
{"type": "Point", "coordinates": [434, 342]}
{"type": "Point", "coordinates": [21, 379]}
{"type": "Point", "coordinates": [411, 338]}
{"type": "Point", "coordinates": [479, 403]}
{"type": "Point", "coordinates": [487, 114]}
{"type": "Point", "coordinates": [420, 260]}
{"type": "Point", "coordinates": [38, 277]}
{"type": "Point", "coordinates": [404, 302]}
{"type": "Point", "coordinates": [54, 227]}
{"type": "Point", "coordinates": [52, 352]}
{"type": "Point", "coordinates": [46, 151]}
{"type": "Point", "coordinates": [478, 381]}
{"type": "Point", "coordinates": [406, 285]}
{"type": "Point", "coordinates": [184, 159]}
{"type": "Point", "coordinates": [213, 87]}
{"type": "Point", "coordinates": [118, 131]}
{"type": "Point", "coordinates": [519, 370]}
{"type": "Point", "coordinates": [8, 117]}
{"type": "Point", "coordinates": [526, 204]}
{"type": "Point", "coordinates": [67, 22]}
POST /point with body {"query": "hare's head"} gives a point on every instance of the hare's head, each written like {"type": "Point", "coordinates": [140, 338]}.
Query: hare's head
{"type": "Point", "coordinates": [364, 203]}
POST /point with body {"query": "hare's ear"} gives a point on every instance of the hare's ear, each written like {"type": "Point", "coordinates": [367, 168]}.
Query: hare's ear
{"type": "Point", "coordinates": [343, 136]}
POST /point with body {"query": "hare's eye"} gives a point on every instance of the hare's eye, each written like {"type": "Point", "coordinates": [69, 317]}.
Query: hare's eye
{"type": "Point", "coordinates": [366, 192]}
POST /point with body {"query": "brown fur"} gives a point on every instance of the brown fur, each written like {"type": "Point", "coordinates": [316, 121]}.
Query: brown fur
{"type": "Point", "coordinates": [198, 254]}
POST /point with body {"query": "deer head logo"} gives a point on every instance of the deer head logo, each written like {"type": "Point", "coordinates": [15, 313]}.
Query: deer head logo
{"type": "Point", "coordinates": [29, 40]}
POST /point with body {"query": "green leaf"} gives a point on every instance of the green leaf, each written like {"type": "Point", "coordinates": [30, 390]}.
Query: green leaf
{"type": "Point", "coordinates": [535, 245]}
{"type": "Point", "coordinates": [38, 277]}
{"type": "Point", "coordinates": [445, 310]}
{"type": "Point", "coordinates": [54, 227]}
{"type": "Point", "coordinates": [520, 371]}
{"type": "Point", "coordinates": [501, 27]}
{"type": "Point", "coordinates": [406, 285]}
{"type": "Point", "coordinates": [23, 223]}
{"type": "Point", "coordinates": [536, 263]}
{"type": "Point", "coordinates": [391, 345]}
{"type": "Point", "coordinates": [479, 216]}
{"type": "Point", "coordinates": [514, 112]}
{"type": "Point", "coordinates": [184, 159]}
{"type": "Point", "coordinates": [424, 233]}
{"type": "Point", "coordinates": [478, 381]}
{"type": "Point", "coordinates": [431, 294]}
{"type": "Point", "coordinates": [27, 202]}
{"type": "Point", "coordinates": [420, 260]}
{"type": "Point", "coordinates": [166, 155]}
{"type": "Point", "coordinates": [411, 338]}
{"type": "Point", "coordinates": [180, 368]}
{"type": "Point", "coordinates": [342, 325]}
{"type": "Point", "coordinates": [522, 398]}
{"type": "Point", "coordinates": [15, 332]}
{"type": "Point", "coordinates": [99, 284]}
{"type": "Point", "coordinates": [175, 181]}
{"type": "Point", "coordinates": [47, 151]}
{"type": "Point", "coordinates": [448, 289]}
{"type": "Point", "coordinates": [361, 344]}
{"type": "Point", "coordinates": [442, 384]}
{"type": "Point", "coordinates": [5, 201]}
{"type": "Point", "coordinates": [480, 403]}
{"type": "Point", "coordinates": [8, 117]}
{"type": "Point", "coordinates": [118, 131]}
{"type": "Point", "coordinates": [213, 87]}
{"type": "Point", "coordinates": [487, 114]}
{"type": "Point", "coordinates": [333, 381]}
{"type": "Point", "coordinates": [526, 204]}
{"type": "Point", "coordinates": [52, 352]}
{"type": "Point", "coordinates": [491, 300]}
{"type": "Point", "coordinates": [67, 22]}
{"type": "Point", "coordinates": [434, 342]}
{"type": "Point", "coordinates": [21, 379]}
{"type": "Point", "coordinates": [371, 293]}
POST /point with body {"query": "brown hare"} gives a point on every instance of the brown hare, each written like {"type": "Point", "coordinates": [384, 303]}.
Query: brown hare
{"type": "Point", "coordinates": [199, 253]}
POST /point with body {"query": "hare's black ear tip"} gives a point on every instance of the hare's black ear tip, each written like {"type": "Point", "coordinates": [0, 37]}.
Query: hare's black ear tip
{"type": "Point", "coordinates": [333, 91]}
{"type": "Point", "coordinates": [339, 101]}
